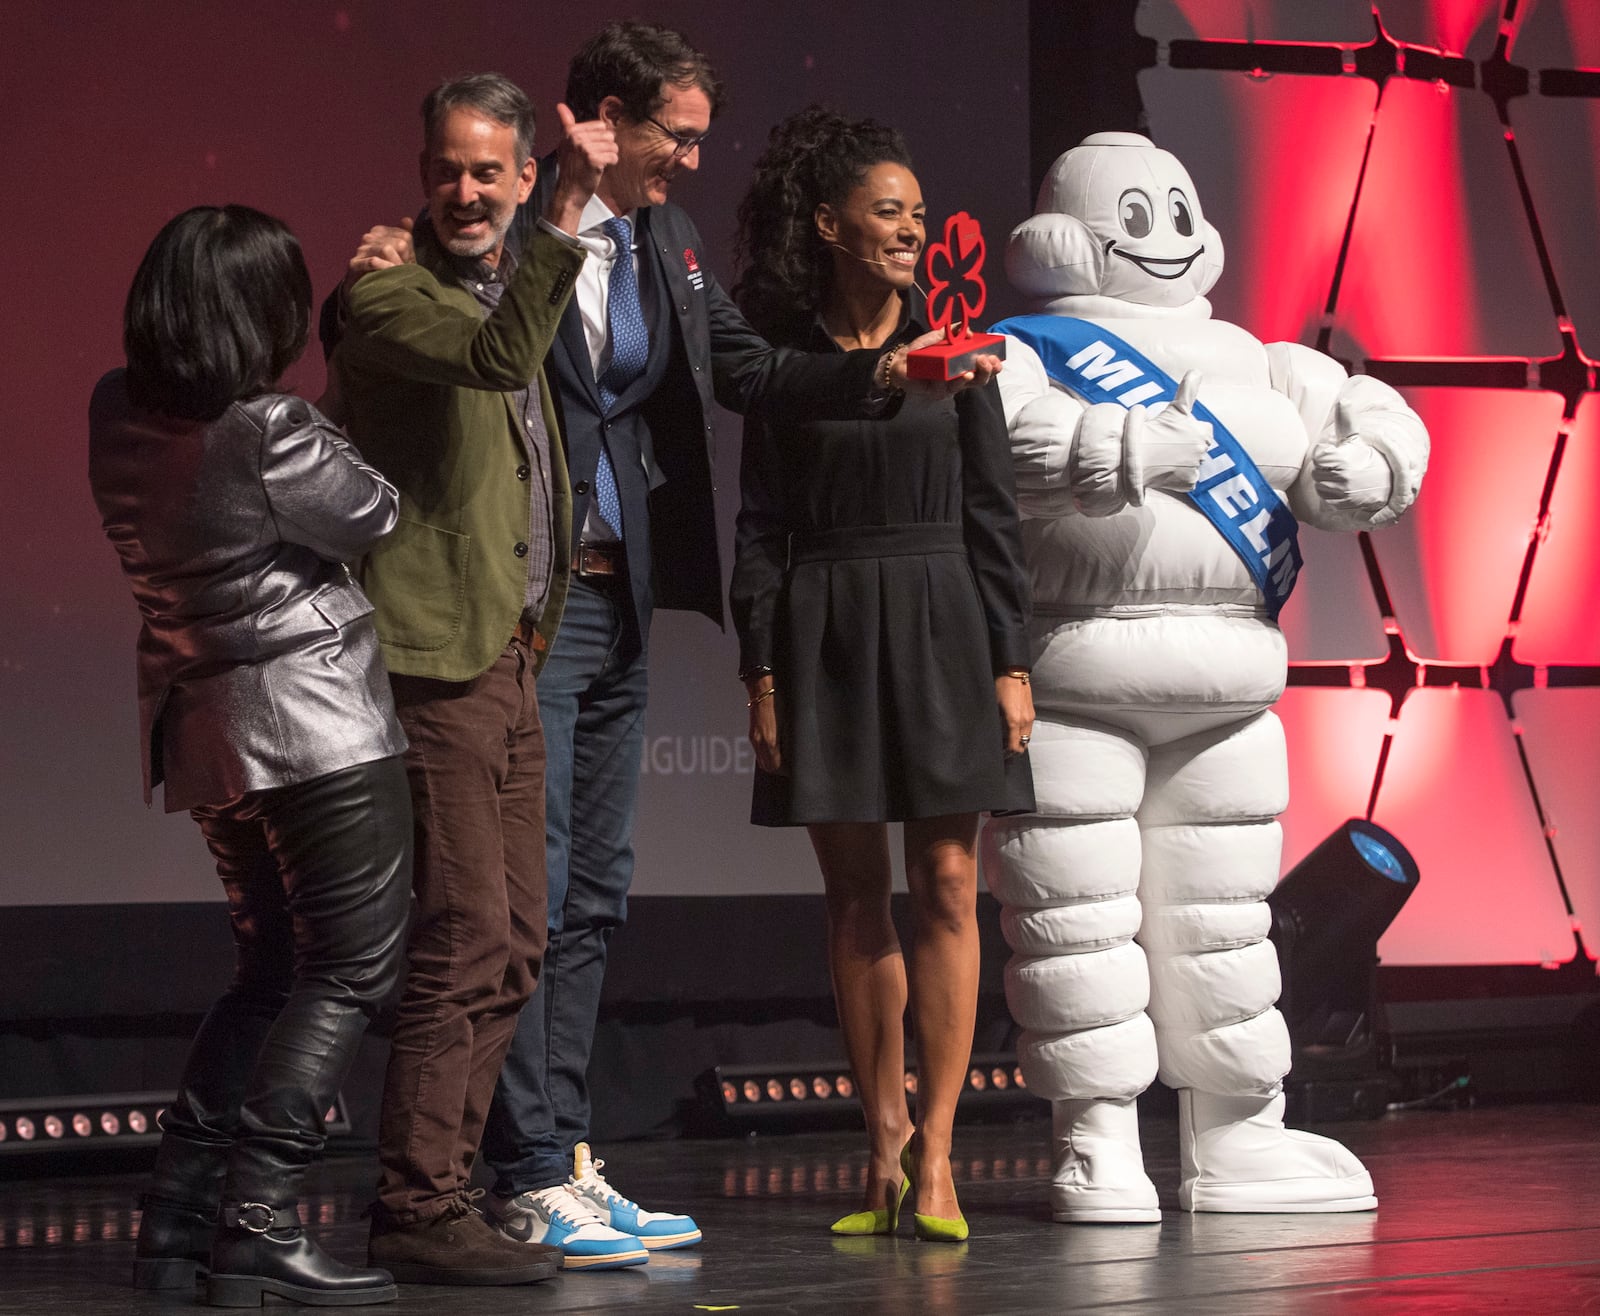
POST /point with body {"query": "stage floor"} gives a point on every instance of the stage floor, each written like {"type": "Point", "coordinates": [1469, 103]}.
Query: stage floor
{"type": "Point", "coordinates": [1487, 1210]}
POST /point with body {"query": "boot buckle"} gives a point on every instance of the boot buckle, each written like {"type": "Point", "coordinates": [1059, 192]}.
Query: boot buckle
{"type": "Point", "coordinates": [255, 1217]}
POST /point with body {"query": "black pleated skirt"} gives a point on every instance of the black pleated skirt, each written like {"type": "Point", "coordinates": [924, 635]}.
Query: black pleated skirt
{"type": "Point", "coordinates": [886, 705]}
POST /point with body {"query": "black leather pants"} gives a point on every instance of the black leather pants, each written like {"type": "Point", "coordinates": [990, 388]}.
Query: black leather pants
{"type": "Point", "coordinates": [318, 879]}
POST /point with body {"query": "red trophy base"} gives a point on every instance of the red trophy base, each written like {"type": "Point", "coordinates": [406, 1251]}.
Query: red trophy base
{"type": "Point", "coordinates": [953, 359]}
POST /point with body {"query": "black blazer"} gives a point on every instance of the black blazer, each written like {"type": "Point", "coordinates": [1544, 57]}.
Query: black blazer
{"type": "Point", "coordinates": [713, 355]}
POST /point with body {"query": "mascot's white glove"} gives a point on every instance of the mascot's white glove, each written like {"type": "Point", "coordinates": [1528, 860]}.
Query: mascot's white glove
{"type": "Point", "coordinates": [1162, 448]}
{"type": "Point", "coordinates": [1349, 474]}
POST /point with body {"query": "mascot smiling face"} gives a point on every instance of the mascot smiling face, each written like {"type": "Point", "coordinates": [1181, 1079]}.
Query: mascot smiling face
{"type": "Point", "coordinates": [1120, 217]}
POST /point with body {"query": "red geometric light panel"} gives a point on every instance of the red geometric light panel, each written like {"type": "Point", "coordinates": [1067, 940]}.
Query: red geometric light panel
{"type": "Point", "coordinates": [1411, 186]}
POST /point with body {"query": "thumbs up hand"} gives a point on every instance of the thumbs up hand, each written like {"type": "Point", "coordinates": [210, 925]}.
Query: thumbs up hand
{"type": "Point", "coordinates": [585, 152]}
{"type": "Point", "coordinates": [1167, 443]}
{"type": "Point", "coordinates": [1346, 471]}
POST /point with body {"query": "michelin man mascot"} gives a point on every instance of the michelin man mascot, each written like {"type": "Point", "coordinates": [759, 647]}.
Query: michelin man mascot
{"type": "Point", "coordinates": [1162, 460]}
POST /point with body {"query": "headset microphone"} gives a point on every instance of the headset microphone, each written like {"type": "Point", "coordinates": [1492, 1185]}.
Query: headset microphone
{"type": "Point", "coordinates": [877, 260]}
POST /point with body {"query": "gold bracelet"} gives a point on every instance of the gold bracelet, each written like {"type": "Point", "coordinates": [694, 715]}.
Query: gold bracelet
{"type": "Point", "coordinates": [765, 694]}
{"type": "Point", "coordinates": [1017, 674]}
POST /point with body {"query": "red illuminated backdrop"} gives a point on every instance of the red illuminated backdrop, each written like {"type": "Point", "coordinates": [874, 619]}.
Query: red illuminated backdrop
{"type": "Point", "coordinates": [1410, 185]}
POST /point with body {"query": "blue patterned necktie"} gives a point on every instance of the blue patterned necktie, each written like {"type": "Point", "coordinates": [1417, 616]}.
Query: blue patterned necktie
{"type": "Point", "coordinates": [630, 353]}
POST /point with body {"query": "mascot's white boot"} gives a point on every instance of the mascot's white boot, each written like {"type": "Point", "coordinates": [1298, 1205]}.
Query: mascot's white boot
{"type": "Point", "coordinates": [1237, 1156]}
{"type": "Point", "coordinates": [1099, 1173]}
{"type": "Point", "coordinates": [1134, 900]}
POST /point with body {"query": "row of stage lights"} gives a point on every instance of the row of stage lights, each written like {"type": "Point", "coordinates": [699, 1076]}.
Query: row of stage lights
{"type": "Point", "coordinates": [797, 1089]}
{"type": "Point", "coordinates": [131, 1118]}
{"type": "Point", "coordinates": [998, 1077]}
{"type": "Point", "coordinates": [35, 1126]}
{"type": "Point", "coordinates": [755, 1091]}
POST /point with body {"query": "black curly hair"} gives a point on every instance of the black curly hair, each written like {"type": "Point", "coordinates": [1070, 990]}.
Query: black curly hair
{"type": "Point", "coordinates": [812, 157]}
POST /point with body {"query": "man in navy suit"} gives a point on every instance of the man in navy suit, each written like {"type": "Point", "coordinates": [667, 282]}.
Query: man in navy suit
{"type": "Point", "coordinates": [647, 341]}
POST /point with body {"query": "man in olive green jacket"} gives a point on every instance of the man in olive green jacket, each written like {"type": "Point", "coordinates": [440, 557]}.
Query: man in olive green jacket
{"type": "Point", "coordinates": [440, 377]}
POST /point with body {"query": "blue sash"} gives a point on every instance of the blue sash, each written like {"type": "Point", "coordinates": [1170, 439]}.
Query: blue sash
{"type": "Point", "coordinates": [1230, 492]}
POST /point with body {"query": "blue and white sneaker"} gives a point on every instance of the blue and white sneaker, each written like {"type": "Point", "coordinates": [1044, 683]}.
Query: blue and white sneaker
{"type": "Point", "coordinates": [655, 1229]}
{"type": "Point", "coordinates": [557, 1217]}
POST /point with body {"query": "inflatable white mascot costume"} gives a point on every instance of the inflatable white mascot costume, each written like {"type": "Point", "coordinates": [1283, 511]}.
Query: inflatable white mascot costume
{"type": "Point", "coordinates": [1146, 436]}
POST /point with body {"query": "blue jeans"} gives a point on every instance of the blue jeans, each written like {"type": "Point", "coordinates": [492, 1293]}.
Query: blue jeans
{"type": "Point", "coordinates": [592, 695]}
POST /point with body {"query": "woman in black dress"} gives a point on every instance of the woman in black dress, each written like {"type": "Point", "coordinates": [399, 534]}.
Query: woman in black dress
{"type": "Point", "coordinates": [266, 713]}
{"type": "Point", "coordinates": [881, 605]}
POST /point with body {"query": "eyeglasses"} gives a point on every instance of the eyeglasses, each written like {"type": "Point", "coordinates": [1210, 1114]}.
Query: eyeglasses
{"type": "Point", "coordinates": [683, 142]}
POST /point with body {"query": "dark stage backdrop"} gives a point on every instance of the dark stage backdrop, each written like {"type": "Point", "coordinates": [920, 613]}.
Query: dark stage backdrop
{"type": "Point", "coordinates": [118, 115]}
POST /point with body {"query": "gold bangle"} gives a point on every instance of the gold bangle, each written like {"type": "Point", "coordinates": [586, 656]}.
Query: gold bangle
{"type": "Point", "coordinates": [765, 694]}
{"type": "Point", "coordinates": [1017, 674]}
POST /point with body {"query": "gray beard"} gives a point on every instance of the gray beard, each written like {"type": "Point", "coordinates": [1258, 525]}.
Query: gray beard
{"type": "Point", "coordinates": [471, 249]}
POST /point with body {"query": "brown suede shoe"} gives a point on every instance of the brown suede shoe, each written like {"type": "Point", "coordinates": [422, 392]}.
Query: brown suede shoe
{"type": "Point", "coordinates": [457, 1247]}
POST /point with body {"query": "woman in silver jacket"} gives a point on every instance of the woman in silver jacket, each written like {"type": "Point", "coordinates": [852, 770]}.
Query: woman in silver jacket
{"type": "Point", "coordinates": [265, 711]}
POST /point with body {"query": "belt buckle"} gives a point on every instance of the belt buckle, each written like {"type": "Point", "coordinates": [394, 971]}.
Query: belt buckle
{"type": "Point", "coordinates": [598, 559]}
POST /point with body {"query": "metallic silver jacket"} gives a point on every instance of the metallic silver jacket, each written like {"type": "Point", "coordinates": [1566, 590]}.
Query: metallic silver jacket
{"type": "Point", "coordinates": [258, 660]}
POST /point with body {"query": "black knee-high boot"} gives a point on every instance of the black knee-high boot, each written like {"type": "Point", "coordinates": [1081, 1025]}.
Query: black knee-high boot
{"type": "Point", "coordinates": [180, 1208]}
{"type": "Point", "coordinates": [179, 1214]}
{"type": "Point", "coordinates": [342, 843]}
{"type": "Point", "coordinates": [260, 1247]}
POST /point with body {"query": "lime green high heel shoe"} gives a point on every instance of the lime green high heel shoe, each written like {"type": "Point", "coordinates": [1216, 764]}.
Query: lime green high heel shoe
{"type": "Point", "coordinates": [873, 1222]}
{"type": "Point", "coordinates": [933, 1228]}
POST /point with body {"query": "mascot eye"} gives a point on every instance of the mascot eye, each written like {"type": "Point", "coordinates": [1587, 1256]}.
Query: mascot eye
{"type": "Point", "coordinates": [1134, 213]}
{"type": "Point", "coordinates": [1182, 216]}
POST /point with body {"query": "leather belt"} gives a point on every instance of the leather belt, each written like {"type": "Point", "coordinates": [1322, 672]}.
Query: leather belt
{"type": "Point", "coordinates": [528, 633]}
{"type": "Point", "coordinates": [599, 560]}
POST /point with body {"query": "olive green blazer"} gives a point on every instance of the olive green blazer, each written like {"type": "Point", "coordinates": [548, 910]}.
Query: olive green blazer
{"type": "Point", "coordinates": [427, 384]}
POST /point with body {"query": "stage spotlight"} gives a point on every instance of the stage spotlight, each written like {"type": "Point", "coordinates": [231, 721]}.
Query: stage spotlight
{"type": "Point", "coordinates": [822, 1087]}
{"type": "Point", "coordinates": [1327, 916]}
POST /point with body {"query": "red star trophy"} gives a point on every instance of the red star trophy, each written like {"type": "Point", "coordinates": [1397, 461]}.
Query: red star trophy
{"type": "Point", "coordinates": [956, 294]}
